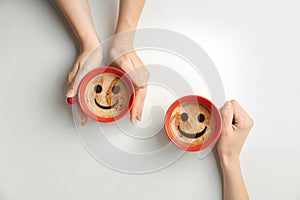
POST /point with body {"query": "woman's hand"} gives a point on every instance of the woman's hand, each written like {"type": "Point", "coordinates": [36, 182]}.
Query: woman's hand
{"type": "Point", "coordinates": [134, 67]}
{"type": "Point", "coordinates": [236, 126]}
{"type": "Point", "coordinates": [85, 62]}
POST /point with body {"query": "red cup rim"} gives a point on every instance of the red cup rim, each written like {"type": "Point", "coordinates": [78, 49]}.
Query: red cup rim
{"type": "Point", "coordinates": [92, 74]}
{"type": "Point", "coordinates": [208, 105]}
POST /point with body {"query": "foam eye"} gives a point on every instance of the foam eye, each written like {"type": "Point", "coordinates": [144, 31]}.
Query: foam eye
{"type": "Point", "coordinates": [184, 117]}
{"type": "Point", "coordinates": [201, 118]}
{"type": "Point", "coordinates": [116, 89]}
{"type": "Point", "coordinates": [98, 88]}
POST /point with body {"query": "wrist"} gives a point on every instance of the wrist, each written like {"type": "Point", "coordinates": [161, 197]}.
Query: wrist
{"type": "Point", "coordinates": [125, 26]}
{"type": "Point", "coordinates": [122, 44]}
{"type": "Point", "coordinates": [89, 43]}
{"type": "Point", "coordinates": [123, 39]}
{"type": "Point", "coordinates": [229, 161]}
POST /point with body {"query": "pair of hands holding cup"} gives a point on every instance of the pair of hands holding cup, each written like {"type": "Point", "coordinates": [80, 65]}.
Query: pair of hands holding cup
{"type": "Point", "coordinates": [128, 62]}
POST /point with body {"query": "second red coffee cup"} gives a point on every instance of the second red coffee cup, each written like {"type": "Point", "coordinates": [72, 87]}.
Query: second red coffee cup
{"type": "Point", "coordinates": [193, 123]}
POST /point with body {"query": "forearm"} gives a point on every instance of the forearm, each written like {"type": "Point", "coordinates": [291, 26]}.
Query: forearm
{"type": "Point", "coordinates": [129, 14]}
{"type": "Point", "coordinates": [79, 17]}
{"type": "Point", "coordinates": [233, 184]}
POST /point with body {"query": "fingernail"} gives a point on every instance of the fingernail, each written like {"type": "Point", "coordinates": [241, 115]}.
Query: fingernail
{"type": "Point", "coordinates": [83, 121]}
{"type": "Point", "coordinates": [139, 117]}
{"type": "Point", "coordinates": [71, 100]}
{"type": "Point", "coordinates": [70, 92]}
{"type": "Point", "coordinates": [133, 121]}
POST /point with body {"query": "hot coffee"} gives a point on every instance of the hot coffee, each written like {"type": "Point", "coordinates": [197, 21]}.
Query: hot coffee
{"type": "Point", "coordinates": [191, 123]}
{"type": "Point", "coordinates": [106, 95]}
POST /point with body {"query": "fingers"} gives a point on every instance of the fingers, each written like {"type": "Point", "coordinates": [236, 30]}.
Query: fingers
{"type": "Point", "coordinates": [91, 59]}
{"type": "Point", "coordinates": [137, 109]}
{"type": "Point", "coordinates": [241, 117]}
{"type": "Point", "coordinates": [227, 115]}
{"type": "Point", "coordinates": [73, 88]}
{"type": "Point", "coordinates": [82, 115]}
{"type": "Point", "coordinates": [72, 79]}
{"type": "Point", "coordinates": [85, 63]}
{"type": "Point", "coordinates": [133, 114]}
{"type": "Point", "coordinates": [73, 72]}
{"type": "Point", "coordinates": [139, 75]}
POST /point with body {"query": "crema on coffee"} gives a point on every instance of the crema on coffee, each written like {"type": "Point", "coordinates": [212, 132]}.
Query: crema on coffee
{"type": "Point", "coordinates": [191, 123]}
{"type": "Point", "coordinates": [106, 95]}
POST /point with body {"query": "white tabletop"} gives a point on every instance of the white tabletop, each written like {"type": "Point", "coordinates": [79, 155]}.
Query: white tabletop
{"type": "Point", "coordinates": [255, 47]}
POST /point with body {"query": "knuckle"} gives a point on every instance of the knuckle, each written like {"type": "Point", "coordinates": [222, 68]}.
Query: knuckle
{"type": "Point", "coordinates": [251, 122]}
{"type": "Point", "coordinates": [233, 102]}
{"type": "Point", "coordinates": [243, 126]}
{"type": "Point", "coordinates": [147, 73]}
{"type": "Point", "coordinates": [68, 79]}
{"type": "Point", "coordinates": [247, 125]}
{"type": "Point", "coordinates": [226, 130]}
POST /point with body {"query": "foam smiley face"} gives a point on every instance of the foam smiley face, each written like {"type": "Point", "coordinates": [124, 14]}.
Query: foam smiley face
{"type": "Point", "coordinates": [106, 96]}
{"type": "Point", "coordinates": [190, 123]}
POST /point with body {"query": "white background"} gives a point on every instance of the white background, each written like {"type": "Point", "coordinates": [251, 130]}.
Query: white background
{"type": "Point", "coordinates": [255, 46]}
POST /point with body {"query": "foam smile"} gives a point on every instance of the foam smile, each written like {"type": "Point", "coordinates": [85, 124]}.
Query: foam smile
{"type": "Point", "coordinates": [106, 107]}
{"type": "Point", "coordinates": [192, 136]}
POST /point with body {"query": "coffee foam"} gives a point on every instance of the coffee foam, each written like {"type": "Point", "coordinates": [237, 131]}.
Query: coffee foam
{"type": "Point", "coordinates": [192, 125]}
{"type": "Point", "coordinates": [106, 97]}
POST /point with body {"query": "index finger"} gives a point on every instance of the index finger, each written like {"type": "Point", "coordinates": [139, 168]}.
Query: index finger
{"type": "Point", "coordinates": [241, 117]}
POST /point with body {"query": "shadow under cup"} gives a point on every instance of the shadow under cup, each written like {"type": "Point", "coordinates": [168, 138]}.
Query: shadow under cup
{"type": "Point", "coordinates": [193, 123]}
{"type": "Point", "coordinates": [106, 94]}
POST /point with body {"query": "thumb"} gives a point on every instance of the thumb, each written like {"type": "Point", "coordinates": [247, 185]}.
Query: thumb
{"type": "Point", "coordinates": [73, 85]}
{"type": "Point", "coordinates": [71, 91]}
{"type": "Point", "coordinates": [227, 115]}
{"type": "Point", "coordinates": [83, 67]}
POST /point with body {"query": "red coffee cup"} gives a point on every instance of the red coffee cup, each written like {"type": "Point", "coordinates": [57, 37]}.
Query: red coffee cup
{"type": "Point", "coordinates": [87, 82]}
{"type": "Point", "coordinates": [174, 119]}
